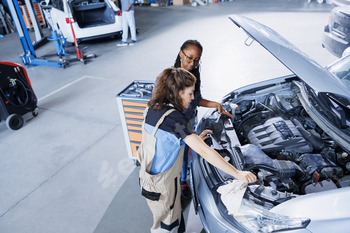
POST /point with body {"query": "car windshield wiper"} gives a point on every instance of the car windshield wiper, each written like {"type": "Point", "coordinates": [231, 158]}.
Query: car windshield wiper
{"type": "Point", "coordinates": [343, 108]}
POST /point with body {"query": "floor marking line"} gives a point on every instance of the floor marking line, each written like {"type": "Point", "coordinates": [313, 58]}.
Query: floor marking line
{"type": "Point", "coordinates": [69, 84]}
{"type": "Point", "coordinates": [60, 89]}
{"type": "Point", "coordinates": [106, 79]}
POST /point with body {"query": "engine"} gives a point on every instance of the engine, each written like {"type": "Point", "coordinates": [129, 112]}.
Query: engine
{"type": "Point", "coordinates": [274, 137]}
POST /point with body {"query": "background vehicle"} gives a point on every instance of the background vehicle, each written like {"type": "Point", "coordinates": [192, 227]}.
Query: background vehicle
{"type": "Point", "coordinates": [337, 3]}
{"type": "Point", "coordinates": [93, 18]}
{"type": "Point", "coordinates": [293, 133]}
{"type": "Point", "coordinates": [336, 37]}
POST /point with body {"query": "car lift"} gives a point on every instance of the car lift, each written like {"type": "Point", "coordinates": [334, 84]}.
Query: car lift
{"type": "Point", "coordinates": [29, 57]}
{"type": "Point", "coordinates": [60, 42]}
{"type": "Point", "coordinates": [80, 56]}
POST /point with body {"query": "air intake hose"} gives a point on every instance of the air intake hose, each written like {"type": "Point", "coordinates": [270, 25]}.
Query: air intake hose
{"type": "Point", "coordinates": [315, 142]}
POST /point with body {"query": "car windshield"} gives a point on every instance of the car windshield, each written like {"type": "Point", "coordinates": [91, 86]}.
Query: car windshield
{"type": "Point", "coordinates": [341, 69]}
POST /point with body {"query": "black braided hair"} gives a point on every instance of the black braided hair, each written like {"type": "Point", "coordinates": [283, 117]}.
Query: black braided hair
{"type": "Point", "coordinates": [194, 71]}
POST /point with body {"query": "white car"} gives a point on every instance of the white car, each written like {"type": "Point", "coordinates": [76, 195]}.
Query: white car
{"type": "Point", "coordinates": [293, 132]}
{"type": "Point", "coordinates": [91, 19]}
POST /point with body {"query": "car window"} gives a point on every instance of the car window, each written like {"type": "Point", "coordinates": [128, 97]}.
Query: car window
{"type": "Point", "coordinates": [341, 69]}
{"type": "Point", "coordinates": [58, 4]}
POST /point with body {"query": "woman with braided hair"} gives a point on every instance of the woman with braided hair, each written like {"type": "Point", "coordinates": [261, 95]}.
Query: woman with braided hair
{"type": "Point", "coordinates": [189, 58]}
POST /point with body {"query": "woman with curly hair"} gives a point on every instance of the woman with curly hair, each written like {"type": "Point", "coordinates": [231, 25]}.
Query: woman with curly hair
{"type": "Point", "coordinates": [189, 58]}
{"type": "Point", "coordinates": [164, 134]}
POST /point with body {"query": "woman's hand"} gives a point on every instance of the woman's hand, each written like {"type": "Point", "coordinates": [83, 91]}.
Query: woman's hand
{"type": "Point", "coordinates": [204, 134]}
{"type": "Point", "coordinates": [214, 158]}
{"type": "Point", "coordinates": [223, 111]}
{"type": "Point", "coordinates": [213, 104]}
{"type": "Point", "coordinates": [248, 177]}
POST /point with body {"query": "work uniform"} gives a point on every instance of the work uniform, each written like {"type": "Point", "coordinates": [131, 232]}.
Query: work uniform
{"type": "Point", "coordinates": [161, 156]}
{"type": "Point", "coordinates": [128, 20]}
{"type": "Point", "coordinates": [191, 114]}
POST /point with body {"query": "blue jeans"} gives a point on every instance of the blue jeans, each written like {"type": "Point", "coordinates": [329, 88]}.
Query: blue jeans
{"type": "Point", "coordinates": [184, 165]}
{"type": "Point", "coordinates": [128, 21]}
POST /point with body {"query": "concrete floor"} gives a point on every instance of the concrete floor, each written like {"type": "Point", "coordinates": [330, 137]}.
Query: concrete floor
{"type": "Point", "coordinates": [67, 169]}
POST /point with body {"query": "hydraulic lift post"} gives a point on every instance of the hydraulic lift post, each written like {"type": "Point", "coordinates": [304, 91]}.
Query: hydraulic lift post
{"type": "Point", "coordinates": [28, 57]}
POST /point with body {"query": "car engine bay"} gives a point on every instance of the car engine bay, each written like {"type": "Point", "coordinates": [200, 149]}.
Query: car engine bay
{"type": "Point", "coordinates": [273, 136]}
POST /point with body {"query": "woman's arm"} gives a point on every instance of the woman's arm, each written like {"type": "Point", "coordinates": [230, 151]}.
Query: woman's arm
{"type": "Point", "coordinates": [216, 160]}
{"type": "Point", "coordinates": [213, 104]}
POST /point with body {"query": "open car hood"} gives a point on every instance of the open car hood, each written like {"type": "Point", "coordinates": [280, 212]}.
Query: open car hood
{"type": "Point", "coordinates": [316, 76]}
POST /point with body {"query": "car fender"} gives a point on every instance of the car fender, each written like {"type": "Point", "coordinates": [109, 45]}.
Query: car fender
{"type": "Point", "coordinates": [346, 52]}
{"type": "Point", "coordinates": [325, 209]}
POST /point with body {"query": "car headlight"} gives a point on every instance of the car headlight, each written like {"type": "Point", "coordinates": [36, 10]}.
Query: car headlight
{"type": "Point", "coordinates": [258, 219]}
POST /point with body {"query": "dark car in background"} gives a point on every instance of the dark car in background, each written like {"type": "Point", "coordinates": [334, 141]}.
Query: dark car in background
{"type": "Point", "coordinates": [336, 35]}
{"type": "Point", "coordinates": [293, 132]}
{"type": "Point", "coordinates": [337, 3]}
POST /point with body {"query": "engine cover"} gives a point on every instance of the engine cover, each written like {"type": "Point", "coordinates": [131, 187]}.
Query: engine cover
{"type": "Point", "coordinates": [277, 134]}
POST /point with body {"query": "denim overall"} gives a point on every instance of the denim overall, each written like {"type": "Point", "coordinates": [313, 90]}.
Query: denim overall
{"type": "Point", "coordinates": [162, 191]}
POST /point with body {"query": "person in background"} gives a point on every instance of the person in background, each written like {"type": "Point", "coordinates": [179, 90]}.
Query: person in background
{"type": "Point", "coordinates": [189, 58]}
{"type": "Point", "coordinates": [164, 134]}
{"type": "Point", "coordinates": [127, 7]}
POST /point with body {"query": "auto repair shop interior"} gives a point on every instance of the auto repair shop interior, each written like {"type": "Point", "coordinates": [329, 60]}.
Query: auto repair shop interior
{"type": "Point", "coordinates": [68, 169]}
